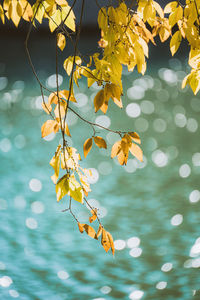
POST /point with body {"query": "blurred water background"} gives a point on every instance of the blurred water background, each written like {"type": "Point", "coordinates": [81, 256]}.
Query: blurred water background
{"type": "Point", "coordinates": [151, 208]}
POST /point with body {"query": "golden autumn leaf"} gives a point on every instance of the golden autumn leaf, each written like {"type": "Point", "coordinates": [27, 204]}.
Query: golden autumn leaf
{"type": "Point", "coordinates": [105, 240]}
{"type": "Point", "coordinates": [48, 127]}
{"type": "Point", "coordinates": [87, 146]}
{"type": "Point", "coordinates": [55, 163]}
{"type": "Point", "coordinates": [98, 100]}
{"type": "Point", "coordinates": [111, 242]}
{"type": "Point", "coordinates": [46, 107]}
{"type": "Point", "coordinates": [136, 151]}
{"type": "Point", "coordinates": [99, 232]}
{"type": "Point", "coordinates": [90, 231]}
{"type": "Point", "coordinates": [62, 187]}
{"type": "Point", "coordinates": [116, 149]}
{"type": "Point", "coordinates": [100, 142]}
{"type": "Point", "coordinates": [61, 41]}
{"type": "Point", "coordinates": [175, 42]}
{"type": "Point", "coordinates": [135, 137]}
{"type": "Point", "coordinates": [94, 215]}
{"type": "Point", "coordinates": [170, 7]}
{"type": "Point", "coordinates": [67, 132]}
{"type": "Point", "coordinates": [81, 227]}
{"type": "Point", "coordinates": [2, 16]}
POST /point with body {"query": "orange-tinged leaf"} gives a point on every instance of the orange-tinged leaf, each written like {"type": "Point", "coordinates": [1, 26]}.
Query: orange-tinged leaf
{"type": "Point", "coordinates": [65, 94]}
{"type": "Point", "coordinates": [67, 132]}
{"type": "Point", "coordinates": [47, 108]}
{"type": "Point", "coordinates": [105, 240]}
{"type": "Point", "coordinates": [121, 157]}
{"type": "Point", "coordinates": [52, 99]}
{"type": "Point", "coordinates": [81, 227]}
{"type": "Point", "coordinates": [136, 151]}
{"type": "Point", "coordinates": [100, 142]}
{"type": "Point", "coordinates": [90, 231]}
{"type": "Point", "coordinates": [104, 107]}
{"type": "Point", "coordinates": [87, 146]}
{"type": "Point", "coordinates": [111, 242]}
{"type": "Point", "coordinates": [99, 232]}
{"type": "Point", "coordinates": [135, 137]}
{"type": "Point", "coordinates": [94, 215]}
{"type": "Point", "coordinates": [48, 127]}
{"type": "Point", "coordinates": [116, 149]}
{"type": "Point", "coordinates": [98, 100]}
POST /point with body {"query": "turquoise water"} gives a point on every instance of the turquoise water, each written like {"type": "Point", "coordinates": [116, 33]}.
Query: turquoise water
{"type": "Point", "coordinates": [151, 208]}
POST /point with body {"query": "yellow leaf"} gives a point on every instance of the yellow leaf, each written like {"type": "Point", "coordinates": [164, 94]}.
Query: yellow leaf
{"type": "Point", "coordinates": [185, 81]}
{"type": "Point", "coordinates": [135, 137]}
{"type": "Point", "coordinates": [136, 151]}
{"type": "Point", "coordinates": [102, 18]}
{"type": "Point", "coordinates": [81, 227]}
{"type": "Point", "coordinates": [194, 58]}
{"type": "Point", "coordinates": [27, 12]}
{"type": "Point", "coordinates": [175, 42]}
{"type": "Point", "coordinates": [100, 142]}
{"type": "Point", "coordinates": [121, 157]}
{"type": "Point", "coordinates": [2, 16]}
{"type": "Point", "coordinates": [13, 12]}
{"type": "Point", "coordinates": [61, 41]}
{"type": "Point", "coordinates": [68, 63]}
{"type": "Point", "coordinates": [194, 81]}
{"type": "Point", "coordinates": [60, 110]}
{"type": "Point", "coordinates": [64, 94]}
{"type": "Point", "coordinates": [48, 127]}
{"type": "Point", "coordinates": [62, 187]}
{"type": "Point", "coordinates": [148, 12]}
{"type": "Point", "coordinates": [111, 242]}
{"type": "Point", "coordinates": [116, 149]}
{"type": "Point", "coordinates": [105, 240]}
{"type": "Point", "coordinates": [98, 100]}
{"type": "Point", "coordinates": [104, 107]}
{"type": "Point", "coordinates": [90, 231]}
{"type": "Point", "coordinates": [55, 163]}
{"type": "Point", "coordinates": [69, 17]}
{"type": "Point", "coordinates": [175, 16]}
{"type": "Point", "coordinates": [67, 132]}
{"type": "Point", "coordinates": [94, 215]}
{"type": "Point", "coordinates": [159, 9]}
{"type": "Point", "coordinates": [99, 232]}
{"type": "Point", "coordinates": [87, 146]}
{"type": "Point", "coordinates": [75, 189]}
{"type": "Point", "coordinates": [170, 7]}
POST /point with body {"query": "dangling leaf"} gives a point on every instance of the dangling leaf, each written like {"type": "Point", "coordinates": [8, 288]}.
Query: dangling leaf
{"type": "Point", "coordinates": [90, 231]}
{"type": "Point", "coordinates": [81, 227]}
{"type": "Point", "coordinates": [116, 149]}
{"type": "Point", "coordinates": [136, 151]}
{"type": "Point", "coordinates": [61, 41]}
{"type": "Point", "coordinates": [135, 137]}
{"type": "Point", "coordinates": [48, 127]}
{"type": "Point", "coordinates": [99, 232]}
{"type": "Point", "coordinates": [98, 100]}
{"type": "Point", "coordinates": [175, 42]}
{"type": "Point", "coordinates": [105, 240]}
{"type": "Point", "coordinates": [62, 187]}
{"type": "Point", "coordinates": [75, 189]}
{"type": "Point", "coordinates": [111, 242]}
{"type": "Point", "coordinates": [100, 142]}
{"type": "Point", "coordinates": [87, 146]}
{"type": "Point", "coordinates": [55, 163]}
{"type": "Point", "coordinates": [94, 215]}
